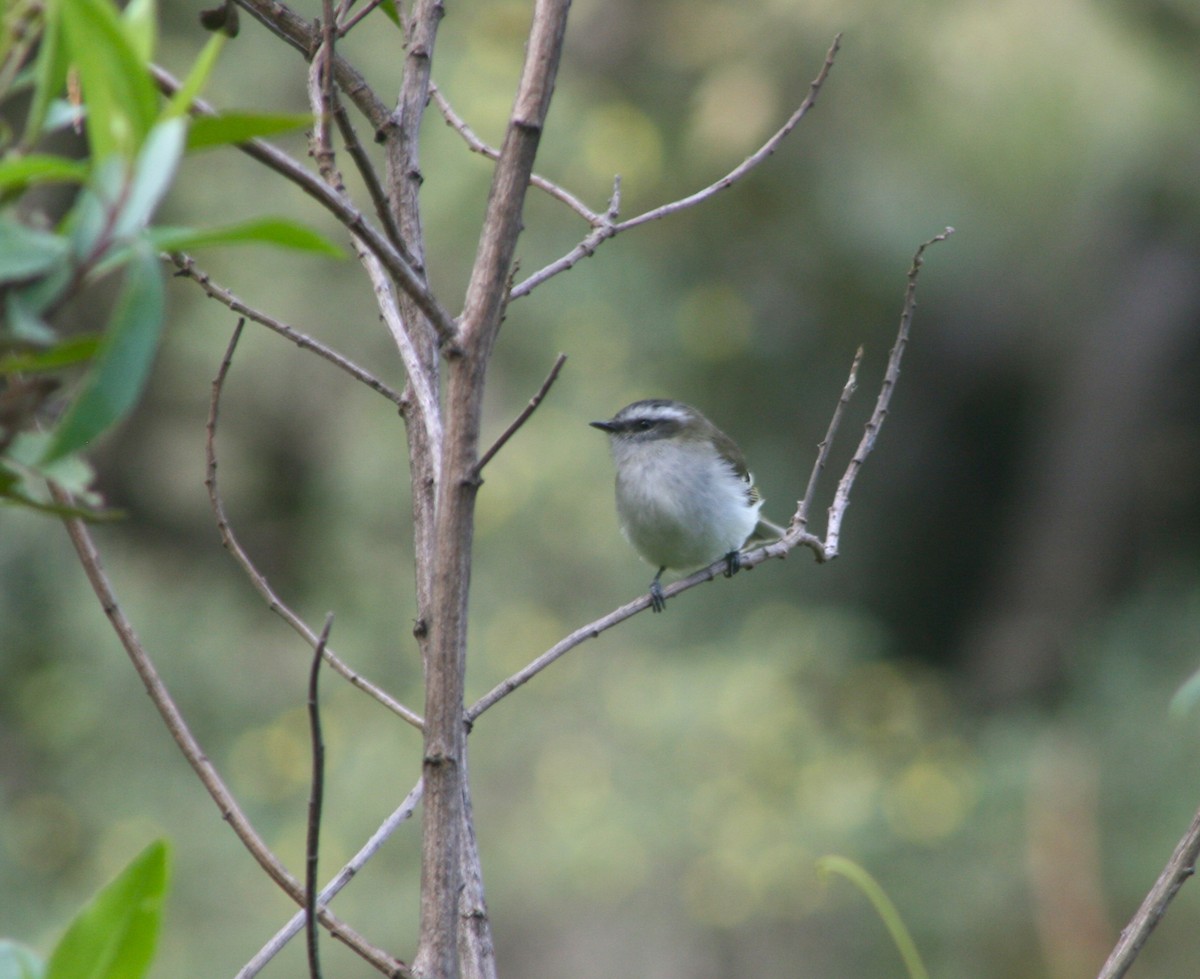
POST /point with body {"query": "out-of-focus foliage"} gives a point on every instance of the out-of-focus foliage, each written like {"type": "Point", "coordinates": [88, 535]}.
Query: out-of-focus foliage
{"type": "Point", "coordinates": [91, 71]}
{"type": "Point", "coordinates": [971, 702]}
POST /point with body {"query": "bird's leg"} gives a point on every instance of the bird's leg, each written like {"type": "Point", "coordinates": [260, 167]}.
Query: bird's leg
{"type": "Point", "coordinates": [733, 562]}
{"type": "Point", "coordinates": [658, 601]}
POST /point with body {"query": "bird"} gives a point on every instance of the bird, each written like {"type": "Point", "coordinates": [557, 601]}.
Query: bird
{"type": "Point", "coordinates": [684, 495]}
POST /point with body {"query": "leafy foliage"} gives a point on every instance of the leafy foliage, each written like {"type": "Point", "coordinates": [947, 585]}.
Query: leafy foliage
{"type": "Point", "coordinates": [98, 58]}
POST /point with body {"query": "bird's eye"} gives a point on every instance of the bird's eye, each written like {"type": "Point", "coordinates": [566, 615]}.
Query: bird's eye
{"type": "Point", "coordinates": [643, 424]}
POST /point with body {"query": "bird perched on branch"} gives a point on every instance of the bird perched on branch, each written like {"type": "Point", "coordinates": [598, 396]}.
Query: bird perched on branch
{"type": "Point", "coordinates": [684, 495]}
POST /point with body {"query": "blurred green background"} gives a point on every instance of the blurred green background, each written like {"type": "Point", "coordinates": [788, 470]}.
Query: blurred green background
{"type": "Point", "coordinates": [972, 702]}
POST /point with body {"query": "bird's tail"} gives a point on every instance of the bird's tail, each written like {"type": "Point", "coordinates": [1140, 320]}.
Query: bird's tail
{"type": "Point", "coordinates": [766, 530]}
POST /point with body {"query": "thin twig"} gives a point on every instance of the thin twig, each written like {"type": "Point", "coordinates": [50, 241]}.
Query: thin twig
{"type": "Point", "coordinates": [477, 145]}
{"type": "Point", "coordinates": [320, 99]}
{"type": "Point", "coordinates": [796, 536]}
{"type": "Point", "coordinates": [188, 269]}
{"type": "Point", "coordinates": [805, 506]}
{"type": "Point", "coordinates": [841, 498]}
{"type": "Point", "coordinates": [366, 170]}
{"type": "Point", "coordinates": [410, 280]}
{"type": "Point", "coordinates": [398, 817]}
{"type": "Point", "coordinates": [261, 585]}
{"type": "Point", "coordinates": [1179, 868]}
{"type": "Point", "coordinates": [231, 812]}
{"type": "Point", "coordinates": [602, 232]}
{"type": "Point", "coordinates": [286, 24]}
{"type": "Point", "coordinates": [599, 234]}
{"type": "Point", "coordinates": [346, 26]}
{"type": "Point", "coordinates": [315, 799]}
{"type": "Point", "coordinates": [523, 417]}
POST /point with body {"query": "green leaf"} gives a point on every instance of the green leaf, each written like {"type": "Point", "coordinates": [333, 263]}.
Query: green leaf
{"type": "Point", "coordinates": [50, 75]}
{"type": "Point", "coordinates": [152, 175]}
{"type": "Point", "coordinates": [238, 127]}
{"type": "Point", "coordinates": [27, 252]}
{"type": "Point", "coordinates": [884, 907]}
{"type": "Point", "coordinates": [40, 168]}
{"type": "Point", "coordinates": [23, 481]}
{"type": "Point", "coordinates": [140, 22]}
{"type": "Point", "coordinates": [70, 352]}
{"type": "Point", "coordinates": [121, 100]}
{"type": "Point", "coordinates": [260, 231]}
{"type": "Point", "coordinates": [18, 962]}
{"type": "Point", "coordinates": [115, 934]}
{"type": "Point", "coordinates": [90, 219]}
{"type": "Point", "coordinates": [22, 318]}
{"type": "Point", "coordinates": [182, 100]}
{"type": "Point", "coordinates": [115, 382]}
{"type": "Point", "coordinates": [389, 10]}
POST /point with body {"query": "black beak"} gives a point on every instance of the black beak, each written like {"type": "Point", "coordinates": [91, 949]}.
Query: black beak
{"type": "Point", "coordinates": [604, 426]}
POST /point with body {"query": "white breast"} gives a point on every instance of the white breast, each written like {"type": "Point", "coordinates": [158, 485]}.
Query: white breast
{"type": "Point", "coordinates": [680, 504]}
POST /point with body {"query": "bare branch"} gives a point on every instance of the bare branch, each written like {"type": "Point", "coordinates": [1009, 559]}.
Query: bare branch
{"type": "Point", "coordinates": [603, 232]}
{"type": "Point", "coordinates": [286, 24]}
{"type": "Point", "coordinates": [261, 585]}
{"type": "Point", "coordinates": [428, 411]}
{"type": "Point", "coordinates": [797, 534]}
{"type": "Point", "coordinates": [188, 269]}
{"type": "Point", "coordinates": [1179, 868]}
{"type": "Point", "coordinates": [366, 170]}
{"type": "Point", "coordinates": [801, 518]}
{"type": "Point", "coordinates": [523, 417]}
{"type": "Point", "coordinates": [230, 811]}
{"type": "Point", "coordinates": [769, 147]}
{"type": "Point", "coordinates": [346, 26]}
{"type": "Point", "coordinates": [477, 145]}
{"type": "Point", "coordinates": [320, 99]}
{"type": "Point", "coordinates": [841, 499]}
{"type": "Point", "coordinates": [399, 816]}
{"type": "Point", "coordinates": [315, 798]}
{"type": "Point", "coordinates": [398, 266]}
{"type": "Point", "coordinates": [585, 249]}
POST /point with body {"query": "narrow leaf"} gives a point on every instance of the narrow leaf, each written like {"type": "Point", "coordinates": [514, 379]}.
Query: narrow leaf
{"type": "Point", "coordinates": [260, 231]}
{"type": "Point", "coordinates": [117, 377]}
{"type": "Point", "coordinates": [70, 352]}
{"type": "Point", "coordinates": [117, 89]}
{"type": "Point", "coordinates": [50, 75]}
{"type": "Point", "coordinates": [115, 934]}
{"type": "Point", "coordinates": [40, 168]}
{"type": "Point", "coordinates": [238, 127]}
{"type": "Point", "coordinates": [152, 175]}
{"type": "Point", "coordinates": [181, 101]}
{"type": "Point", "coordinates": [27, 252]}
{"type": "Point", "coordinates": [140, 22]}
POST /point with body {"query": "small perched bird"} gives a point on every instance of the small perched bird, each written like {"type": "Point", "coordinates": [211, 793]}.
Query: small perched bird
{"type": "Point", "coordinates": [684, 496]}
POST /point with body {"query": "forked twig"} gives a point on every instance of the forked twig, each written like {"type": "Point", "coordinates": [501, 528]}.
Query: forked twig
{"type": "Point", "coordinates": [257, 579]}
{"type": "Point", "coordinates": [796, 536]}
{"type": "Point", "coordinates": [523, 417]}
{"type": "Point", "coordinates": [477, 145]}
{"type": "Point", "coordinates": [604, 230]}
{"type": "Point", "coordinates": [841, 499]}
{"type": "Point", "coordinates": [231, 812]}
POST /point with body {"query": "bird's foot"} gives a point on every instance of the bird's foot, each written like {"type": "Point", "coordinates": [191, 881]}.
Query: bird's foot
{"type": "Point", "coordinates": [733, 563]}
{"type": "Point", "coordinates": [658, 601]}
